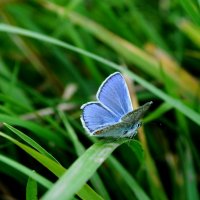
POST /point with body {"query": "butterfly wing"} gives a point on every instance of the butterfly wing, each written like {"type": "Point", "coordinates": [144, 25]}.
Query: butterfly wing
{"type": "Point", "coordinates": [118, 130]}
{"type": "Point", "coordinates": [114, 94]}
{"type": "Point", "coordinates": [95, 116]}
{"type": "Point", "coordinates": [128, 125]}
{"type": "Point", "coordinates": [134, 116]}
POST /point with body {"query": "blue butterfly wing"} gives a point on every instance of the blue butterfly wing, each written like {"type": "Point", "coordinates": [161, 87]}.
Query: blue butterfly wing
{"type": "Point", "coordinates": [114, 94]}
{"type": "Point", "coordinates": [95, 116]}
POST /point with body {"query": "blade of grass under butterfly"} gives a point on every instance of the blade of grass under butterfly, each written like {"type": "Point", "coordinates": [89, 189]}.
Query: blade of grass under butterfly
{"type": "Point", "coordinates": [80, 149]}
{"type": "Point", "coordinates": [127, 177]}
{"type": "Point", "coordinates": [137, 148]}
{"type": "Point", "coordinates": [82, 170]}
{"type": "Point", "coordinates": [193, 115]}
{"type": "Point", "coordinates": [85, 192]}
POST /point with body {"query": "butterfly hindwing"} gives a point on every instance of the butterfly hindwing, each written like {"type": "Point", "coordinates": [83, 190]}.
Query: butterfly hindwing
{"type": "Point", "coordinates": [114, 94]}
{"type": "Point", "coordinates": [95, 117]}
{"type": "Point", "coordinates": [137, 114]}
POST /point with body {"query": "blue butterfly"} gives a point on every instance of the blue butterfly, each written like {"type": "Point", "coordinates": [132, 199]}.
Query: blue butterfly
{"type": "Point", "coordinates": [112, 115]}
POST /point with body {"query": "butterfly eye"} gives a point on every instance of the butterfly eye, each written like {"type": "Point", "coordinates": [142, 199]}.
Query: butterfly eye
{"type": "Point", "coordinates": [139, 124]}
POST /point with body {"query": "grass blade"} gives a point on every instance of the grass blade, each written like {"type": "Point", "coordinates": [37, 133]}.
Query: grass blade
{"type": "Point", "coordinates": [194, 116]}
{"type": "Point", "coordinates": [80, 149]}
{"type": "Point", "coordinates": [36, 129]}
{"type": "Point", "coordinates": [132, 53]}
{"type": "Point", "coordinates": [31, 142]}
{"type": "Point", "coordinates": [190, 30]}
{"type": "Point", "coordinates": [138, 191]}
{"type": "Point", "coordinates": [81, 171]}
{"type": "Point", "coordinates": [191, 188]}
{"type": "Point", "coordinates": [31, 190]}
{"type": "Point", "coordinates": [192, 10]}
{"type": "Point", "coordinates": [158, 112]}
{"type": "Point", "coordinates": [43, 181]}
{"type": "Point", "coordinates": [85, 192]}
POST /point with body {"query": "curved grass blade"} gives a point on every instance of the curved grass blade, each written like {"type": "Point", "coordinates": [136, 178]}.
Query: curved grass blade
{"type": "Point", "coordinates": [31, 142]}
{"type": "Point", "coordinates": [191, 114]}
{"type": "Point", "coordinates": [85, 192]}
{"type": "Point", "coordinates": [192, 9]}
{"type": "Point", "coordinates": [80, 149]}
{"type": "Point", "coordinates": [181, 79]}
{"type": "Point", "coordinates": [38, 130]}
{"type": "Point", "coordinates": [82, 170]}
{"type": "Point", "coordinates": [190, 30]}
{"type": "Point", "coordinates": [28, 172]}
{"type": "Point", "coordinates": [138, 150]}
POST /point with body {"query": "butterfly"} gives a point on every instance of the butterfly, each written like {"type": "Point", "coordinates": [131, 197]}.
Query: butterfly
{"type": "Point", "coordinates": [112, 115]}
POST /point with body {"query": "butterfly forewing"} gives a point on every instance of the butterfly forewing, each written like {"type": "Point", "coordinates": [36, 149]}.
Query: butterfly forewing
{"type": "Point", "coordinates": [113, 93]}
{"type": "Point", "coordinates": [95, 116]}
{"type": "Point", "coordinates": [137, 114]}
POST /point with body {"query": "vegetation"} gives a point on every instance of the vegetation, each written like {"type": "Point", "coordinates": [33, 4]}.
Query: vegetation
{"type": "Point", "coordinates": [54, 56]}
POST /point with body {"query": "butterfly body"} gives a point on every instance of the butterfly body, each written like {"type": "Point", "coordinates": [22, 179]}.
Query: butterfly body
{"type": "Point", "coordinates": [119, 130]}
{"type": "Point", "coordinates": [112, 115]}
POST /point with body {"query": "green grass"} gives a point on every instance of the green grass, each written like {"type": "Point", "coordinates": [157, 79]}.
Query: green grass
{"type": "Point", "coordinates": [54, 56]}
